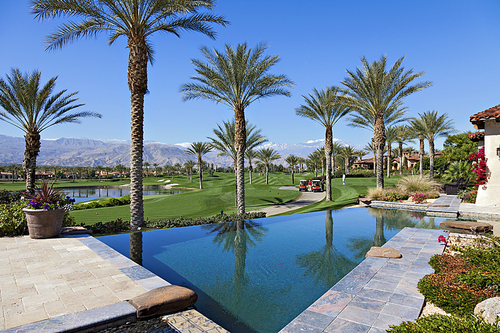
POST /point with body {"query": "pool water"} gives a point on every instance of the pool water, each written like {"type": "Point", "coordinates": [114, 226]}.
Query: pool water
{"type": "Point", "coordinates": [81, 194]}
{"type": "Point", "coordinates": [258, 275]}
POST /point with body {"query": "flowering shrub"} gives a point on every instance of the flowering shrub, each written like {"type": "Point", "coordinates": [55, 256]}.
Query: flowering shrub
{"type": "Point", "coordinates": [468, 196]}
{"type": "Point", "coordinates": [49, 198]}
{"type": "Point", "coordinates": [479, 167]}
{"type": "Point", "coordinates": [418, 198]}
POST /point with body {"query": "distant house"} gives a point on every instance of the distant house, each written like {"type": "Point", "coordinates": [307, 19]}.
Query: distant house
{"type": "Point", "coordinates": [489, 121]}
{"type": "Point", "coordinates": [409, 160]}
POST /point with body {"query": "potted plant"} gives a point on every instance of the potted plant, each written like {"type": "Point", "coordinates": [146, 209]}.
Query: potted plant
{"type": "Point", "coordinates": [45, 211]}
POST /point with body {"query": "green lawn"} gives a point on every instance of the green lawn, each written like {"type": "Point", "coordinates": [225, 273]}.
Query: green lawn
{"type": "Point", "coordinates": [217, 195]}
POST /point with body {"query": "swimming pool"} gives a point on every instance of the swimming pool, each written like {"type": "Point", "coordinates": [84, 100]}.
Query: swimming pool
{"type": "Point", "coordinates": [257, 275]}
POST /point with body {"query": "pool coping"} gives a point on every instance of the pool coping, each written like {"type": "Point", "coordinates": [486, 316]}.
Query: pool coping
{"type": "Point", "coordinates": [378, 292]}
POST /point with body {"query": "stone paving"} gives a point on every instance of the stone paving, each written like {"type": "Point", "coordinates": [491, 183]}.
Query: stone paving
{"type": "Point", "coordinates": [377, 293]}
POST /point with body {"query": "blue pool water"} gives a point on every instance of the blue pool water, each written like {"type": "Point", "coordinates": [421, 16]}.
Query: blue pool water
{"type": "Point", "coordinates": [257, 275]}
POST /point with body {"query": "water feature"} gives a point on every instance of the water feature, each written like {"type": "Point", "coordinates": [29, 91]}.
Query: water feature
{"type": "Point", "coordinates": [86, 193]}
{"type": "Point", "coordinates": [257, 275]}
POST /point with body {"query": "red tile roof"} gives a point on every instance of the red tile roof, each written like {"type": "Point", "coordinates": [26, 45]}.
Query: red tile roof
{"type": "Point", "coordinates": [479, 118]}
{"type": "Point", "coordinates": [476, 136]}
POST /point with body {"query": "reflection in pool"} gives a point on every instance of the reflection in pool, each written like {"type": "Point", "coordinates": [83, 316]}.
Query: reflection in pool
{"type": "Point", "coordinates": [257, 275]}
{"type": "Point", "coordinates": [81, 194]}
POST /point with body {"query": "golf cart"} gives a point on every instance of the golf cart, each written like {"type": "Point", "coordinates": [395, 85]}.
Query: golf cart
{"type": "Point", "coordinates": [316, 186]}
{"type": "Point", "coordinates": [303, 185]}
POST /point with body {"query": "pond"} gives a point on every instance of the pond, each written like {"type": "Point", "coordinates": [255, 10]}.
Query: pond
{"type": "Point", "coordinates": [86, 193]}
{"type": "Point", "coordinates": [258, 275]}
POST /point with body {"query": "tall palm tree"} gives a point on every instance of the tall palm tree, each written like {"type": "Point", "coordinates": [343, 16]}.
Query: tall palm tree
{"type": "Point", "coordinates": [336, 147]}
{"type": "Point", "coordinates": [137, 20]}
{"type": "Point", "coordinates": [146, 165]}
{"type": "Point", "coordinates": [435, 127]}
{"type": "Point", "coordinates": [189, 169]}
{"type": "Point", "coordinates": [377, 94]}
{"type": "Point", "coordinates": [390, 137]}
{"type": "Point", "coordinates": [199, 149]}
{"type": "Point", "coordinates": [346, 153]}
{"type": "Point", "coordinates": [403, 135]}
{"type": "Point", "coordinates": [266, 156]}
{"type": "Point", "coordinates": [293, 161]}
{"type": "Point", "coordinates": [155, 166]}
{"type": "Point", "coordinates": [418, 131]}
{"type": "Point", "coordinates": [302, 161]}
{"type": "Point", "coordinates": [326, 107]}
{"type": "Point", "coordinates": [250, 155]}
{"type": "Point", "coordinates": [33, 108]}
{"type": "Point", "coordinates": [236, 78]}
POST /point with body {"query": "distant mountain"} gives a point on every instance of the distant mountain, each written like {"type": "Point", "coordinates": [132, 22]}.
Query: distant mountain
{"type": "Point", "coordinates": [89, 152]}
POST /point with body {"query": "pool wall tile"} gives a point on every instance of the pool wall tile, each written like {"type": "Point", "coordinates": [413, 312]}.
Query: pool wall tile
{"type": "Point", "coordinates": [378, 292]}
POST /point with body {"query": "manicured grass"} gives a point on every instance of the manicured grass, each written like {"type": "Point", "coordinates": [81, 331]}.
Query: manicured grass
{"type": "Point", "coordinates": [345, 195]}
{"type": "Point", "coordinates": [217, 195]}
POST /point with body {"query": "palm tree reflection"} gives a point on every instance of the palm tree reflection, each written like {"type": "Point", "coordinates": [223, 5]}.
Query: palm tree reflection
{"type": "Point", "coordinates": [237, 236]}
{"type": "Point", "coordinates": [136, 247]}
{"type": "Point", "coordinates": [327, 265]}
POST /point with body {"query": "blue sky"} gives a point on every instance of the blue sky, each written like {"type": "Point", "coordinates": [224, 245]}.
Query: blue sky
{"type": "Point", "coordinates": [456, 44]}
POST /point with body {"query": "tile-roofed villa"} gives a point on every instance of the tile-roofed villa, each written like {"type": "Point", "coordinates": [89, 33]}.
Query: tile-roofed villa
{"type": "Point", "coordinates": [489, 120]}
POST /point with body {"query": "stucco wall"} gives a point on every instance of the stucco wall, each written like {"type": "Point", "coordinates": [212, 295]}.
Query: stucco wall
{"type": "Point", "coordinates": [489, 194]}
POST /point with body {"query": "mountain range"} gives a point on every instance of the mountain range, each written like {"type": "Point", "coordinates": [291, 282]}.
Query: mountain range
{"type": "Point", "coordinates": [91, 152]}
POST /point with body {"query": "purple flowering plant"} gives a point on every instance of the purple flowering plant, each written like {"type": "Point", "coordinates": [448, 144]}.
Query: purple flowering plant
{"type": "Point", "coordinates": [48, 198]}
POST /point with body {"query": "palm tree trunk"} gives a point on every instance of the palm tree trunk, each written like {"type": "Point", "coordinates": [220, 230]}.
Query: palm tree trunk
{"type": "Point", "coordinates": [240, 138]}
{"type": "Point", "coordinates": [138, 85]}
{"type": "Point", "coordinates": [328, 156]}
{"type": "Point", "coordinates": [400, 151]}
{"type": "Point", "coordinates": [293, 179]}
{"type": "Point", "coordinates": [431, 154]}
{"type": "Point", "coordinates": [267, 174]}
{"type": "Point", "coordinates": [200, 169]}
{"type": "Point", "coordinates": [422, 151]}
{"type": "Point", "coordinates": [250, 170]}
{"type": "Point", "coordinates": [32, 147]}
{"type": "Point", "coordinates": [379, 144]}
{"type": "Point", "coordinates": [388, 160]}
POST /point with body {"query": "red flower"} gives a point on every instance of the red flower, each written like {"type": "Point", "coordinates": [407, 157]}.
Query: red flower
{"type": "Point", "coordinates": [442, 239]}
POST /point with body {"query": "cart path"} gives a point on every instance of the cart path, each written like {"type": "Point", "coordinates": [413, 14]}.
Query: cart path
{"type": "Point", "coordinates": [305, 199]}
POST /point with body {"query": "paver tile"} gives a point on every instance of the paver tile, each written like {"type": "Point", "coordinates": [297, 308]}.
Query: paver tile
{"type": "Point", "coordinates": [331, 303]}
{"type": "Point", "coordinates": [383, 321]}
{"type": "Point", "coordinates": [409, 301]}
{"type": "Point", "coordinates": [367, 304]}
{"type": "Point", "coordinates": [341, 326]}
{"type": "Point", "coordinates": [375, 294]}
{"type": "Point", "coordinates": [358, 315]}
{"type": "Point", "coordinates": [404, 312]}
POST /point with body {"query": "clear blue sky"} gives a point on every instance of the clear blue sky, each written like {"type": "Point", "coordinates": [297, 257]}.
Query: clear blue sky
{"type": "Point", "coordinates": [456, 44]}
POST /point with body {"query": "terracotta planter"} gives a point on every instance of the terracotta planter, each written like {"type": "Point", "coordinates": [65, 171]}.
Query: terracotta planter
{"type": "Point", "coordinates": [44, 223]}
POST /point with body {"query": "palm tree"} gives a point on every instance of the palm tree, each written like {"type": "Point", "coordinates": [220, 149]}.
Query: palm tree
{"type": "Point", "coordinates": [315, 158]}
{"type": "Point", "coordinates": [346, 153]}
{"type": "Point", "coordinates": [250, 155]}
{"type": "Point", "coordinates": [137, 20]}
{"type": "Point", "coordinates": [199, 149]}
{"type": "Point", "coordinates": [390, 137]}
{"type": "Point", "coordinates": [266, 156]}
{"type": "Point", "coordinates": [377, 94]}
{"type": "Point", "coordinates": [146, 165]}
{"type": "Point", "coordinates": [302, 161]}
{"type": "Point", "coordinates": [237, 78]}
{"type": "Point", "coordinates": [435, 127]}
{"type": "Point", "coordinates": [418, 131]}
{"type": "Point", "coordinates": [224, 142]}
{"type": "Point", "coordinates": [120, 168]}
{"type": "Point", "coordinates": [336, 147]}
{"type": "Point", "coordinates": [403, 135]}
{"type": "Point", "coordinates": [189, 169]}
{"type": "Point", "coordinates": [327, 108]}
{"type": "Point", "coordinates": [292, 160]}
{"type": "Point", "coordinates": [155, 166]}
{"type": "Point", "coordinates": [33, 108]}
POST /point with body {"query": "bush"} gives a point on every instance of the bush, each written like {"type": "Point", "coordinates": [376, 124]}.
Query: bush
{"type": "Point", "coordinates": [119, 225]}
{"type": "Point", "coordinates": [12, 218]}
{"type": "Point", "coordinates": [125, 200]}
{"type": "Point", "coordinates": [463, 280]}
{"type": "Point", "coordinates": [412, 184]}
{"type": "Point", "coordinates": [442, 323]}
{"type": "Point", "coordinates": [467, 196]}
{"type": "Point", "coordinates": [7, 197]}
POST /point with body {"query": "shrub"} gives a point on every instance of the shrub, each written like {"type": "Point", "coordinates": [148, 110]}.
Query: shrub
{"type": "Point", "coordinates": [418, 198]}
{"type": "Point", "coordinates": [12, 218]}
{"type": "Point", "coordinates": [10, 196]}
{"type": "Point", "coordinates": [442, 323]}
{"type": "Point", "coordinates": [467, 196]}
{"type": "Point", "coordinates": [393, 195]}
{"type": "Point", "coordinates": [375, 193]}
{"type": "Point", "coordinates": [119, 225]}
{"type": "Point", "coordinates": [411, 184]}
